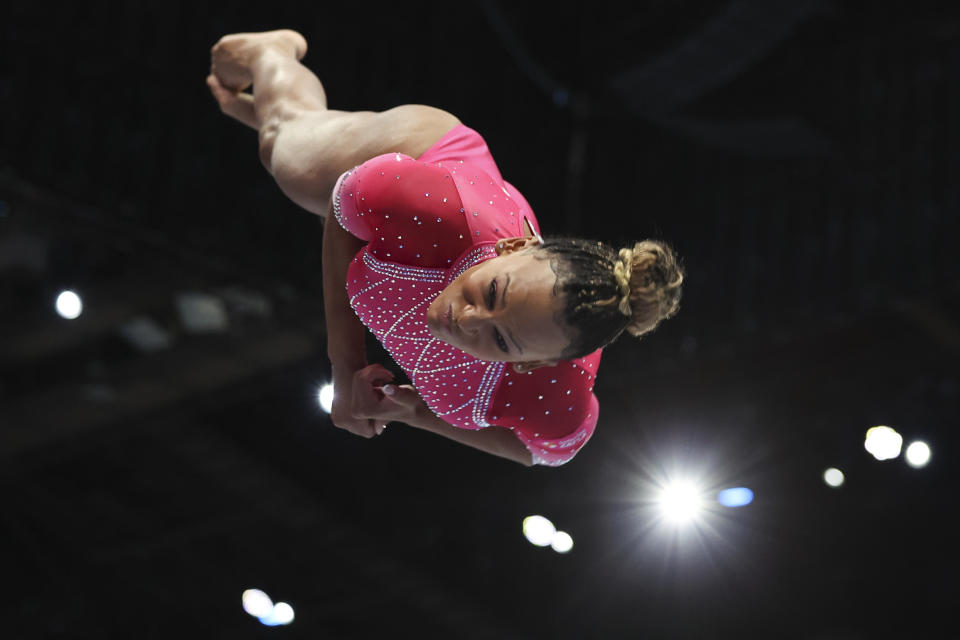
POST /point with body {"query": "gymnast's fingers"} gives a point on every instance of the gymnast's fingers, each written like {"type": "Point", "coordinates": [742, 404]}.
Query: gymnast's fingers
{"type": "Point", "coordinates": [375, 374]}
{"type": "Point", "coordinates": [366, 401]}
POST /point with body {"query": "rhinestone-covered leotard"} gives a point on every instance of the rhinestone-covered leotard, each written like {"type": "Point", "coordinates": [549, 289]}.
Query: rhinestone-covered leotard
{"type": "Point", "coordinates": [426, 221]}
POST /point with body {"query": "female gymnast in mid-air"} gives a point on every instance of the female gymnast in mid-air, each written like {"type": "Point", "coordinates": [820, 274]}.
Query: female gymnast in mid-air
{"type": "Point", "coordinates": [427, 246]}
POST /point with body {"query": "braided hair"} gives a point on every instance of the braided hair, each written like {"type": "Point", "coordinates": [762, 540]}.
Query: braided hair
{"type": "Point", "coordinates": [606, 291]}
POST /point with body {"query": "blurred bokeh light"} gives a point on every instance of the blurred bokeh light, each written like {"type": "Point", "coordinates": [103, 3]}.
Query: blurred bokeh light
{"type": "Point", "coordinates": [538, 530]}
{"type": "Point", "coordinates": [69, 305]}
{"type": "Point", "coordinates": [918, 454]}
{"type": "Point", "coordinates": [281, 614]}
{"type": "Point", "coordinates": [735, 497]}
{"type": "Point", "coordinates": [883, 443]}
{"type": "Point", "coordinates": [257, 603]}
{"type": "Point", "coordinates": [833, 477]}
{"type": "Point", "coordinates": [561, 542]}
{"type": "Point", "coordinates": [325, 397]}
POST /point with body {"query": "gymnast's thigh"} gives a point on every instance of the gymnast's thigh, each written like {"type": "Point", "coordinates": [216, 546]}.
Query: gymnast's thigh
{"type": "Point", "coordinates": [309, 151]}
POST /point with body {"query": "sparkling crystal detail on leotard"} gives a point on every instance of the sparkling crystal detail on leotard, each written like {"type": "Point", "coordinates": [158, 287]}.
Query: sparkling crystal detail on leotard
{"type": "Point", "coordinates": [336, 197]}
{"type": "Point", "coordinates": [431, 364]}
{"type": "Point", "coordinates": [404, 215]}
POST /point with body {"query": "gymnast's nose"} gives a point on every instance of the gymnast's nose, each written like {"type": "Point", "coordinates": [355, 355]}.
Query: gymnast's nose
{"type": "Point", "coordinates": [472, 319]}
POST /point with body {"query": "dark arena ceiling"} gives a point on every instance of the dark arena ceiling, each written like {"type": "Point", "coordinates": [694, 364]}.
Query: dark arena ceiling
{"type": "Point", "coordinates": [165, 450]}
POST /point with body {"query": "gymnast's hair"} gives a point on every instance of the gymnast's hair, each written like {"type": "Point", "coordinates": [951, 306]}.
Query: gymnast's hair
{"type": "Point", "coordinates": [608, 291]}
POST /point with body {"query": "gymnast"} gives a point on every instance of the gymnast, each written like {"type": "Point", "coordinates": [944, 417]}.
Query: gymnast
{"type": "Point", "coordinates": [425, 245]}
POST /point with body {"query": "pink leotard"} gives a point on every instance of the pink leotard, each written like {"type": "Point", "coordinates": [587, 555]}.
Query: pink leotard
{"type": "Point", "coordinates": [426, 221]}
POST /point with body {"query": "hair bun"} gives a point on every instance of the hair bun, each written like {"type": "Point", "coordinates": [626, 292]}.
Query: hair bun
{"type": "Point", "coordinates": [622, 269]}
{"type": "Point", "coordinates": [650, 277]}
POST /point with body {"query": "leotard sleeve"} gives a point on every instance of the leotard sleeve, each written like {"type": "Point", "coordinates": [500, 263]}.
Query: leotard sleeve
{"type": "Point", "coordinates": [552, 410]}
{"type": "Point", "coordinates": [408, 211]}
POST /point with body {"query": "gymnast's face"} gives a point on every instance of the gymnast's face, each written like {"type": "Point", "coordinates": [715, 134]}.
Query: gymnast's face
{"type": "Point", "coordinates": [503, 309]}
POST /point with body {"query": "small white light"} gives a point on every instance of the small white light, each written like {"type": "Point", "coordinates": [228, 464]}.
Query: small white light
{"type": "Point", "coordinates": [538, 530]}
{"type": "Point", "coordinates": [69, 305]}
{"type": "Point", "coordinates": [918, 454]}
{"type": "Point", "coordinates": [883, 443]}
{"type": "Point", "coordinates": [833, 477]}
{"type": "Point", "coordinates": [325, 397]}
{"type": "Point", "coordinates": [562, 542]}
{"type": "Point", "coordinates": [680, 502]}
{"type": "Point", "coordinates": [257, 603]}
{"type": "Point", "coordinates": [282, 614]}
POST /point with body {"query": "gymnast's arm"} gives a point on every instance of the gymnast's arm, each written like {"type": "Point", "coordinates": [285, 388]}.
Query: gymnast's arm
{"type": "Point", "coordinates": [498, 441]}
{"type": "Point", "coordinates": [371, 399]}
{"type": "Point", "coordinates": [346, 346]}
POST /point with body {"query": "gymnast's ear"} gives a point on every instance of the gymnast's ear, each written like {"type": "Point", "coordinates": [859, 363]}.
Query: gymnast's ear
{"type": "Point", "coordinates": [506, 246]}
{"type": "Point", "coordinates": [530, 365]}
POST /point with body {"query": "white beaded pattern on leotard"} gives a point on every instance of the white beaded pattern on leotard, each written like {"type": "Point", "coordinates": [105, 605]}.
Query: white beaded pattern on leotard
{"type": "Point", "coordinates": [440, 371]}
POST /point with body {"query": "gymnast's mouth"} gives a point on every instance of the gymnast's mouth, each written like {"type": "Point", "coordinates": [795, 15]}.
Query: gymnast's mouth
{"type": "Point", "coordinates": [442, 326]}
{"type": "Point", "coordinates": [447, 319]}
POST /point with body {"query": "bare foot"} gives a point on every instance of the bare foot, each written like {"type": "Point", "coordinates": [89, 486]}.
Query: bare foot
{"type": "Point", "coordinates": [233, 56]}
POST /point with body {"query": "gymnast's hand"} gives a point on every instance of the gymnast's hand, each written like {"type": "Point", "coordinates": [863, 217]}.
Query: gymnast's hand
{"type": "Point", "coordinates": [366, 408]}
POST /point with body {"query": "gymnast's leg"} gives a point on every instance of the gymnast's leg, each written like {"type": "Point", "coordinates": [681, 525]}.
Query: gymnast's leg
{"type": "Point", "coordinates": [304, 145]}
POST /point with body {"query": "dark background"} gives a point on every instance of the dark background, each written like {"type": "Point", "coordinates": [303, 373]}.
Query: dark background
{"type": "Point", "coordinates": [802, 157]}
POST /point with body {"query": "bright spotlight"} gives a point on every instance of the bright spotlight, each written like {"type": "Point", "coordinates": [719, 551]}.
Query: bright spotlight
{"type": "Point", "coordinates": [736, 497]}
{"type": "Point", "coordinates": [257, 603]}
{"type": "Point", "coordinates": [833, 477]}
{"type": "Point", "coordinates": [325, 397]}
{"type": "Point", "coordinates": [69, 305]}
{"type": "Point", "coordinates": [282, 613]}
{"type": "Point", "coordinates": [883, 443]}
{"type": "Point", "coordinates": [918, 454]}
{"type": "Point", "coordinates": [680, 502]}
{"type": "Point", "coordinates": [538, 530]}
{"type": "Point", "coordinates": [561, 542]}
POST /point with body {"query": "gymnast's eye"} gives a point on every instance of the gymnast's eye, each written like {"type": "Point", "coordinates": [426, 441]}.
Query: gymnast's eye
{"type": "Point", "coordinates": [496, 334]}
{"type": "Point", "coordinates": [500, 341]}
